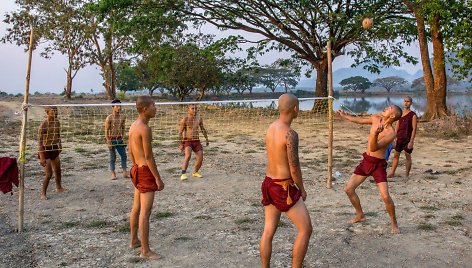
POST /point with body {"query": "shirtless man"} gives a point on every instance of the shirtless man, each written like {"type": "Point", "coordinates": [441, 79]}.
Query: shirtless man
{"type": "Point", "coordinates": [144, 175]}
{"type": "Point", "coordinates": [114, 134]}
{"type": "Point", "coordinates": [190, 141]}
{"type": "Point", "coordinates": [283, 184]}
{"type": "Point", "coordinates": [406, 133]}
{"type": "Point", "coordinates": [49, 148]}
{"type": "Point", "coordinates": [381, 135]}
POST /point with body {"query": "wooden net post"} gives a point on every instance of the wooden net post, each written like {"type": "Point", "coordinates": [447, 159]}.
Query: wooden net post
{"type": "Point", "coordinates": [330, 117]}
{"type": "Point", "coordinates": [21, 195]}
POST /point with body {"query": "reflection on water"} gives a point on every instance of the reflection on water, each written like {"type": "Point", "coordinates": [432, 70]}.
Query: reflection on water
{"type": "Point", "coordinates": [373, 104]}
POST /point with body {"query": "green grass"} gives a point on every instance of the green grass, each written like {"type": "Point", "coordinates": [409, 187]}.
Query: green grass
{"type": "Point", "coordinates": [81, 150]}
{"type": "Point", "coordinates": [135, 260]}
{"type": "Point", "coordinates": [97, 224]}
{"type": "Point", "coordinates": [426, 227]}
{"type": "Point", "coordinates": [173, 170]}
{"type": "Point", "coordinates": [163, 215]}
{"type": "Point", "coordinates": [70, 224]}
{"type": "Point", "coordinates": [282, 224]}
{"type": "Point", "coordinates": [454, 223]}
{"type": "Point", "coordinates": [124, 228]}
{"type": "Point", "coordinates": [371, 214]}
{"type": "Point", "coordinates": [94, 165]}
{"type": "Point", "coordinates": [183, 238]}
{"type": "Point", "coordinates": [202, 217]}
{"type": "Point", "coordinates": [245, 220]}
{"type": "Point", "coordinates": [429, 208]}
{"type": "Point", "coordinates": [458, 217]}
{"type": "Point", "coordinates": [429, 216]}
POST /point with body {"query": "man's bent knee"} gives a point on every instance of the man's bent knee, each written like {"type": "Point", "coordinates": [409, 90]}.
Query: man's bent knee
{"type": "Point", "coordinates": [349, 190]}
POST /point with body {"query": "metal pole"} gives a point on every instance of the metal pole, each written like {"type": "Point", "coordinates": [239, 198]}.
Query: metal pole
{"type": "Point", "coordinates": [330, 117]}
{"type": "Point", "coordinates": [21, 196]}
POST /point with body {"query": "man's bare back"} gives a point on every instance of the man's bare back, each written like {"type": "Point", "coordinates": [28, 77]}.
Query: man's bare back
{"type": "Point", "coordinates": [276, 144]}
{"type": "Point", "coordinates": [135, 144]}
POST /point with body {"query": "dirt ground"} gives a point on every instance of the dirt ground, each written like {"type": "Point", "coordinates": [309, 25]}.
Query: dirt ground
{"type": "Point", "coordinates": [216, 221]}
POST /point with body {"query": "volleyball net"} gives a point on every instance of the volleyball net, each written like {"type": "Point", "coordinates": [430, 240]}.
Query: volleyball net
{"type": "Point", "coordinates": [83, 125]}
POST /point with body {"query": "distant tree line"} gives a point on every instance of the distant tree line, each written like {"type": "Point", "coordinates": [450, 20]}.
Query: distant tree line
{"type": "Point", "coordinates": [150, 39]}
{"type": "Point", "coordinates": [361, 84]}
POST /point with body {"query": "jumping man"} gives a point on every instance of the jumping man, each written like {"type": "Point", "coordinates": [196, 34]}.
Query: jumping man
{"type": "Point", "coordinates": [381, 135]}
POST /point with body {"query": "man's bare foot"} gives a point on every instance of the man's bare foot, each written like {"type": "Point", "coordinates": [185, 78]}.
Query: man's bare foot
{"type": "Point", "coordinates": [113, 178]}
{"type": "Point", "coordinates": [151, 255]}
{"type": "Point", "coordinates": [395, 230]}
{"type": "Point", "coordinates": [135, 244]}
{"type": "Point", "coordinates": [357, 219]}
{"type": "Point", "coordinates": [391, 175]}
{"type": "Point", "coordinates": [125, 174]}
{"type": "Point", "coordinates": [61, 190]}
{"type": "Point", "coordinates": [43, 196]}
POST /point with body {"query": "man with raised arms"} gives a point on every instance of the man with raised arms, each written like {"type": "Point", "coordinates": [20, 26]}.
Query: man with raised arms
{"type": "Point", "coordinates": [373, 164]}
{"type": "Point", "coordinates": [144, 175]}
{"type": "Point", "coordinates": [283, 184]}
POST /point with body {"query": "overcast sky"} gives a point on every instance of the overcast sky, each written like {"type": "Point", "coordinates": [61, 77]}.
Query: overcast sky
{"type": "Point", "coordinates": [48, 75]}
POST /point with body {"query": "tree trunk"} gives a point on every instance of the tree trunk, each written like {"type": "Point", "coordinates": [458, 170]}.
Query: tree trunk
{"type": "Point", "coordinates": [201, 93]}
{"type": "Point", "coordinates": [436, 99]}
{"type": "Point", "coordinates": [68, 91]}
{"type": "Point", "coordinates": [435, 84]}
{"type": "Point", "coordinates": [112, 78]}
{"type": "Point", "coordinates": [321, 90]}
{"type": "Point", "coordinates": [106, 81]}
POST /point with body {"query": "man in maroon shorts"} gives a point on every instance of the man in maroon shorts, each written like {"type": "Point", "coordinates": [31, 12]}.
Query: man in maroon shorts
{"type": "Point", "coordinates": [406, 132]}
{"type": "Point", "coordinates": [49, 148]}
{"type": "Point", "coordinates": [190, 141]}
{"type": "Point", "coordinates": [373, 164]}
{"type": "Point", "coordinates": [282, 189]}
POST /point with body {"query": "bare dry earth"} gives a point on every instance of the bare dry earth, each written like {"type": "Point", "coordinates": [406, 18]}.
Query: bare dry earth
{"type": "Point", "coordinates": [216, 221]}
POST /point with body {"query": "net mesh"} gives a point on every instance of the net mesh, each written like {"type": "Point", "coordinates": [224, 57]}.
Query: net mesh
{"type": "Point", "coordinates": [82, 126]}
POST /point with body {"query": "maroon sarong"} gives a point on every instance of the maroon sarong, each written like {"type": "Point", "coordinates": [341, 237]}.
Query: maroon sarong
{"type": "Point", "coordinates": [194, 144]}
{"type": "Point", "coordinates": [143, 179]}
{"type": "Point", "coordinates": [282, 193]}
{"type": "Point", "coordinates": [405, 128]}
{"type": "Point", "coordinates": [372, 166]}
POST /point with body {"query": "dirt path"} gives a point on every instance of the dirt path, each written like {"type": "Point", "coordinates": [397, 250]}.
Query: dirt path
{"type": "Point", "coordinates": [216, 221]}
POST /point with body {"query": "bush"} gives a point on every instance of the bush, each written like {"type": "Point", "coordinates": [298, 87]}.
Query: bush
{"type": "Point", "coordinates": [451, 127]}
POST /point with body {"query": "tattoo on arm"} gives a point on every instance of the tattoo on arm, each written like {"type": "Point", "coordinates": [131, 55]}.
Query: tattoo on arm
{"type": "Point", "coordinates": [292, 148]}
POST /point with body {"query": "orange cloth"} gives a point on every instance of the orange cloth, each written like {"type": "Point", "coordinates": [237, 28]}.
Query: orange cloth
{"type": "Point", "coordinates": [143, 179]}
{"type": "Point", "coordinates": [282, 193]}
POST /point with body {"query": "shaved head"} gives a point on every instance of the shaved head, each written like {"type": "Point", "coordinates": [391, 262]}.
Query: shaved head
{"type": "Point", "coordinates": [397, 111]}
{"type": "Point", "coordinates": [287, 102]}
{"type": "Point", "coordinates": [143, 102]}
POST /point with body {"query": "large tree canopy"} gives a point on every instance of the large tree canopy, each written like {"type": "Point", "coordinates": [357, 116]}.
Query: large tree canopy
{"type": "Point", "coordinates": [304, 27]}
